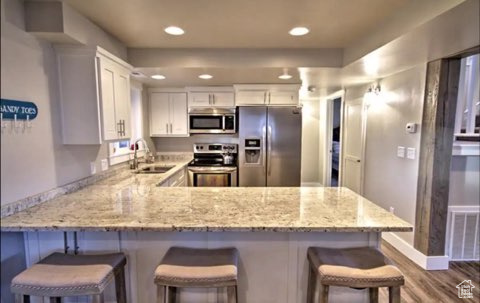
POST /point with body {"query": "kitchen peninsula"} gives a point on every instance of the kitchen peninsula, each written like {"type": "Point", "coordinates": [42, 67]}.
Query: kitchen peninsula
{"type": "Point", "coordinates": [271, 227]}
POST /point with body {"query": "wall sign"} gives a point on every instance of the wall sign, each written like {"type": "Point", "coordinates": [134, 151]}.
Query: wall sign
{"type": "Point", "coordinates": [19, 110]}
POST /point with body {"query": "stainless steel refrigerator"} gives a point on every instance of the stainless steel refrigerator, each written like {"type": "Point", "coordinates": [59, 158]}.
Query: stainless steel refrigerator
{"type": "Point", "coordinates": [270, 140]}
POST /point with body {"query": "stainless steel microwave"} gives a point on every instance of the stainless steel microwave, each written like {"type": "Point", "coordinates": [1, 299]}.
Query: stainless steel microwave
{"type": "Point", "coordinates": [212, 120]}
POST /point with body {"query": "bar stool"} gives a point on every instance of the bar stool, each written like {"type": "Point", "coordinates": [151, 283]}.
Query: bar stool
{"type": "Point", "coordinates": [62, 275]}
{"type": "Point", "coordinates": [192, 267]}
{"type": "Point", "coordinates": [361, 267]}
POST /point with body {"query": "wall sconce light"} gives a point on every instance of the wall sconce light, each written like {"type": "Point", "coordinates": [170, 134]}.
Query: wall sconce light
{"type": "Point", "coordinates": [373, 94]}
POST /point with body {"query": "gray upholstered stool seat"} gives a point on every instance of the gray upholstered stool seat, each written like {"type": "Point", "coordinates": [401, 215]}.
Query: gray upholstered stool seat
{"type": "Point", "coordinates": [361, 267]}
{"type": "Point", "coordinates": [63, 275]}
{"type": "Point", "coordinates": [192, 267]}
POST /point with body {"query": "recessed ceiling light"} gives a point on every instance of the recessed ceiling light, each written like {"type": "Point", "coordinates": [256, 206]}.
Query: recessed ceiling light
{"type": "Point", "coordinates": [285, 77]}
{"type": "Point", "coordinates": [299, 31]}
{"type": "Point", "coordinates": [174, 30]}
{"type": "Point", "coordinates": [205, 76]}
{"type": "Point", "coordinates": [158, 77]}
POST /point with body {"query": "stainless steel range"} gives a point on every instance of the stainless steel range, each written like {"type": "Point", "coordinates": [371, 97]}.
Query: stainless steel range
{"type": "Point", "coordinates": [213, 165]}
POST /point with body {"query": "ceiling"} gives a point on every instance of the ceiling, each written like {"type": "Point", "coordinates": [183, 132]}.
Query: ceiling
{"type": "Point", "coordinates": [238, 23]}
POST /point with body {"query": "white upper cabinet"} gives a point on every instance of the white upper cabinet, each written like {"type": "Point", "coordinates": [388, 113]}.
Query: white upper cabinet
{"type": "Point", "coordinates": [252, 94]}
{"type": "Point", "coordinates": [211, 96]}
{"type": "Point", "coordinates": [94, 95]}
{"type": "Point", "coordinates": [159, 114]}
{"type": "Point", "coordinates": [168, 114]}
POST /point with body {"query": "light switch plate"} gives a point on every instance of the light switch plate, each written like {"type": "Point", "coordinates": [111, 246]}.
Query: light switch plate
{"type": "Point", "coordinates": [401, 152]}
{"type": "Point", "coordinates": [93, 168]}
{"type": "Point", "coordinates": [104, 164]}
{"type": "Point", "coordinates": [411, 153]}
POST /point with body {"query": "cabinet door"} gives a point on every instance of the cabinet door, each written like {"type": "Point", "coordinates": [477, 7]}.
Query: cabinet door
{"type": "Point", "coordinates": [223, 99]}
{"type": "Point", "coordinates": [198, 99]}
{"type": "Point", "coordinates": [123, 103]}
{"type": "Point", "coordinates": [178, 114]}
{"type": "Point", "coordinates": [251, 97]}
{"type": "Point", "coordinates": [107, 93]}
{"type": "Point", "coordinates": [159, 114]}
{"type": "Point", "coordinates": [283, 98]}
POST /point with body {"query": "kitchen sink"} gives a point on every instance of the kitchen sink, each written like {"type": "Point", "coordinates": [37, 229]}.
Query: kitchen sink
{"type": "Point", "coordinates": [154, 169]}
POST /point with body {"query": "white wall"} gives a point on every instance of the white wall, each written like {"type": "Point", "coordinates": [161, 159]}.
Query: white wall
{"type": "Point", "coordinates": [390, 181]}
{"type": "Point", "coordinates": [310, 172]}
{"type": "Point", "coordinates": [37, 161]}
{"type": "Point", "coordinates": [464, 181]}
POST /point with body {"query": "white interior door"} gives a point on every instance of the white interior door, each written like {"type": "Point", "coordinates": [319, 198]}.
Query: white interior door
{"type": "Point", "coordinates": [353, 145]}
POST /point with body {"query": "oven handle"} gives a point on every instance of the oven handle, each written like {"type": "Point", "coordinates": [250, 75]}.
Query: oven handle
{"type": "Point", "coordinates": [212, 169]}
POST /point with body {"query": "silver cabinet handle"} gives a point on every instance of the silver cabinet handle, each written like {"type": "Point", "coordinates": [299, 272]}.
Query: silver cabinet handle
{"type": "Point", "coordinates": [123, 128]}
{"type": "Point", "coordinates": [209, 99]}
{"type": "Point", "coordinates": [213, 99]}
{"type": "Point", "coordinates": [171, 128]}
{"type": "Point", "coordinates": [119, 127]}
{"type": "Point", "coordinates": [269, 97]}
{"type": "Point", "coordinates": [269, 159]}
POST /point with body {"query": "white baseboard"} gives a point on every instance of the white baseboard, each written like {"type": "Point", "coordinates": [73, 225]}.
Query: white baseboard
{"type": "Point", "coordinates": [425, 262]}
{"type": "Point", "coordinates": [311, 184]}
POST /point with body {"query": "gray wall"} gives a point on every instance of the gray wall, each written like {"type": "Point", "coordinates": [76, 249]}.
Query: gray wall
{"type": "Point", "coordinates": [310, 142]}
{"type": "Point", "coordinates": [37, 161]}
{"type": "Point", "coordinates": [390, 181]}
{"type": "Point", "coordinates": [464, 181]}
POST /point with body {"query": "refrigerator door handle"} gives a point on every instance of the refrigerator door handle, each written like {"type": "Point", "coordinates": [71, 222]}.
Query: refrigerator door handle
{"type": "Point", "coordinates": [269, 159]}
{"type": "Point", "coordinates": [264, 147]}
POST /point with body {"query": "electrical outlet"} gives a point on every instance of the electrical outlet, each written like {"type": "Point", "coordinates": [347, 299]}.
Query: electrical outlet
{"type": "Point", "coordinates": [401, 152]}
{"type": "Point", "coordinates": [93, 168]}
{"type": "Point", "coordinates": [411, 153]}
{"type": "Point", "coordinates": [104, 164]}
{"type": "Point", "coordinates": [392, 209]}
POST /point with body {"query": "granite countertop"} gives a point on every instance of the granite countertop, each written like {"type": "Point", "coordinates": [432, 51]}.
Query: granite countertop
{"type": "Point", "coordinates": [135, 202]}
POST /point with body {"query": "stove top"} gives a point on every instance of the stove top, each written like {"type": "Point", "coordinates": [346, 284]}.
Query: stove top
{"type": "Point", "coordinates": [210, 162]}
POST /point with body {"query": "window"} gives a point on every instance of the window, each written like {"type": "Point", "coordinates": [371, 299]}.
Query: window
{"type": "Point", "coordinates": [467, 120]}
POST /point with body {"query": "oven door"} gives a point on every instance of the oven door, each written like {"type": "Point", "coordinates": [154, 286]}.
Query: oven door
{"type": "Point", "coordinates": [212, 176]}
{"type": "Point", "coordinates": [202, 124]}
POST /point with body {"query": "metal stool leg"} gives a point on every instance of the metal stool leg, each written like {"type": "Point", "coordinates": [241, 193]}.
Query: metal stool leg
{"type": "Point", "coordinates": [394, 294]}
{"type": "Point", "coordinates": [232, 295]}
{"type": "Point", "coordinates": [22, 298]}
{"type": "Point", "coordinates": [373, 292]}
{"type": "Point", "coordinates": [98, 298]}
{"type": "Point", "coordinates": [120, 288]}
{"type": "Point", "coordinates": [323, 293]}
{"type": "Point", "coordinates": [171, 294]}
{"type": "Point", "coordinates": [161, 293]}
{"type": "Point", "coordinates": [312, 281]}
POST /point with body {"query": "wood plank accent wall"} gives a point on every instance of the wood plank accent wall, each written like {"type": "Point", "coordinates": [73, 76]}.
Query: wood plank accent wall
{"type": "Point", "coordinates": [435, 153]}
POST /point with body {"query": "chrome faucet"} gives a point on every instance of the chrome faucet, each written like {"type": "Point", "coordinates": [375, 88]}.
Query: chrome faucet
{"type": "Point", "coordinates": [135, 157]}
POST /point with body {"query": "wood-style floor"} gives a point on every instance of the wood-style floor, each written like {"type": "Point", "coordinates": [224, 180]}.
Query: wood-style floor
{"type": "Point", "coordinates": [432, 286]}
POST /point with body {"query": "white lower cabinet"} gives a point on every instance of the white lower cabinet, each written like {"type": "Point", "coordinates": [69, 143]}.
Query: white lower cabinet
{"type": "Point", "coordinates": [178, 179]}
{"type": "Point", "coordinates": [168, 114]}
